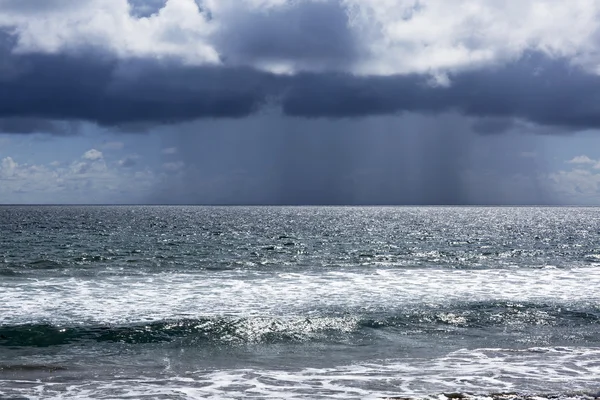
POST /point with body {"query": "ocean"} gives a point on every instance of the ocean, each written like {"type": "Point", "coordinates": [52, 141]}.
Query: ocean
{"type": "Point", "coordinates": [191, 302]}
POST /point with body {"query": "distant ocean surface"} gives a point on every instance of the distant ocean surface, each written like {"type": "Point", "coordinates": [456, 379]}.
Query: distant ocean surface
{"type": "Point", "coordinates": [298, 302]}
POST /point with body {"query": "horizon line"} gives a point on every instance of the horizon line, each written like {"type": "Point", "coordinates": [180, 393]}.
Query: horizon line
{"type": "Point", "coordinates": [282, 205]}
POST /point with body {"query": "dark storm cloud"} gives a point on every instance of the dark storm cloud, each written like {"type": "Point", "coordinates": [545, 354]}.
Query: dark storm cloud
{"type": "Point", "coordinates": [95, 87]}
{"type": "Point", "coordinates": [312, 33]}
{"type": "Point", "coordinates": [535, 88]}
{"type": "Point", "coordinates": [538, 89]}
{"type": "Point", "coordinates": [111, 93]}
{"type": "Point", "coordinates": [37, 125]}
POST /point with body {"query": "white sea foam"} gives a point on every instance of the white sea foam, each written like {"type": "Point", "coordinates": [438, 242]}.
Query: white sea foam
{"type": "Point", "coordinates": [568, 372]}
{"type": "Point", "coordinates": [122, 299]}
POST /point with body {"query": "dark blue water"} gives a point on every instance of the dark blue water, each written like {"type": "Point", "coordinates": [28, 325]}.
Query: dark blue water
{"type": "Point", "coordinates": [298, 302]}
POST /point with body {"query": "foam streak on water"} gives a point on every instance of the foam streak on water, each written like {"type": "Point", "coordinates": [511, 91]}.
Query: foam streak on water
{"type": "Point", "coordinates": [118, 299]}
{"type": "Point", "coordinates": [544, 371]}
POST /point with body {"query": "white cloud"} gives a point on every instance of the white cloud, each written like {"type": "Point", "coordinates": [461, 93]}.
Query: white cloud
{"type": "Point", "coordinates": [438, 36]}
{"type": "Point", "coordinates": [578, 186]}
{"type": "Point", "coordinates": [430, 35]}
{"type": "Point", "coordinates": [8, 168]}
{"type": "Point", "coordinates": [585, 160]}
{"type": "Point", "coordinates": [179, 29]}
{"type": "Point", "coordinates": [81, 181]}
{"type": "Point", "coordinates": [392, 36]}
{"type": "Point", "coordinates": [582, 160]}
{"type": "Point", "coordinates": [92, 155]}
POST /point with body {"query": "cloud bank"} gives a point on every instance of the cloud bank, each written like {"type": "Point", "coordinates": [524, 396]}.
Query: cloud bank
{"type": "Point", "coordinates": [372, 37]}
{"type": "Point", "coordinates": [140, 64]}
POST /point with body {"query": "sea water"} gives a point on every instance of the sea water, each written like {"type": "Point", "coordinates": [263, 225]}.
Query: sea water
{"type": "Point", "coordinates": [186, 302]}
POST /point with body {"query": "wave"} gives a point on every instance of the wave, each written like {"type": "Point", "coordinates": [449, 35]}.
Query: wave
{"type": "Point", "coordinates": [230, 330]}
{"type": "Point", "coordinates": [100, 266]}
{"type": "Point", "coordinates": [339, 326]}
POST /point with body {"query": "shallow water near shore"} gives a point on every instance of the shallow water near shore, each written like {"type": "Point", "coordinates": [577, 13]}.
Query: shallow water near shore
{"type": "Point", "coordinates": [185, 302]}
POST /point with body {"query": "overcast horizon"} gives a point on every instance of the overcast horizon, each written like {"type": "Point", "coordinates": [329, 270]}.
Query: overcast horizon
{"type": "Point", "coordinates": [306, 102]}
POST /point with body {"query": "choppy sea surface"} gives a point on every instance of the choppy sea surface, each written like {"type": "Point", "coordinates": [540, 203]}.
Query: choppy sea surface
{"type": "Point", "coordinates": [298, 302]}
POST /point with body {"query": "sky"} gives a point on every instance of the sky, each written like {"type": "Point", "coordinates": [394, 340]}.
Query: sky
{"type": "Point", "coordinates": [492, 102]}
